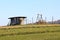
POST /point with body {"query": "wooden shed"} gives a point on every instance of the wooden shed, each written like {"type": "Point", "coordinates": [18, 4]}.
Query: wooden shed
{"type": "Point", "coordinates": [17, 20]}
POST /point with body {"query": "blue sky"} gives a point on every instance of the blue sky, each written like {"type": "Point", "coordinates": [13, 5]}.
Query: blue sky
{"type": "Point", "coordinates": [29, 8]}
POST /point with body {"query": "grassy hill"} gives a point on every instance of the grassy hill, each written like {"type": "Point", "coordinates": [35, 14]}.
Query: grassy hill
{"type": "Point", "coordinates": [30, 32]}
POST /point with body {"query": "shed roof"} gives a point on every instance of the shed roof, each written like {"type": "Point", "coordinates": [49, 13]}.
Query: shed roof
{"type": "Point", "coordinates": [17, 17]}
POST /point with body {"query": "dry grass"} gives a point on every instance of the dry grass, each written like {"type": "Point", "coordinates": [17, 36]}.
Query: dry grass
{"type": "Point", "coordinates": [30, 32]}
{"type": "Point", "coordinates": [39, 25]}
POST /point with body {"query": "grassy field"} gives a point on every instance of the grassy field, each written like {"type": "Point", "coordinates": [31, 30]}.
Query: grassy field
{"type": "Point", "coordinates": [30, 32]}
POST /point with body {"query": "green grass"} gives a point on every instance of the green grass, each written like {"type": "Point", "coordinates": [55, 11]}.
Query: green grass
{"type": "Point", "coordinates": [30, 33]}
{"type": "Point", "coordinates": [40, 36]}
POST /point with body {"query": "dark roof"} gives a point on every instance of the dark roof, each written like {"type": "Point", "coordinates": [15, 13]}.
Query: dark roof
{"type": "Point", "coordinates": [17, 17]}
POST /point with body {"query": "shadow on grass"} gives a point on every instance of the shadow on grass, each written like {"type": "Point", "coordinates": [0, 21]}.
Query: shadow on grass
{"type": "Point", "coordinates": [26, 33]}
